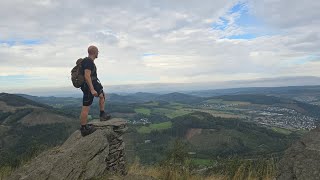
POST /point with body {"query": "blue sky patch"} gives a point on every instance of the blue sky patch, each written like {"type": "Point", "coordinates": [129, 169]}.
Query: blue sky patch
{"type": "Point", "coordinates": [238, 7]}
{"type": "Point", "coordinates": [220, 26]}
{"type": "Point", "coordinates": [14, 77]}
{"type": "Point", "coordinates": [250, 25]}
{"type": "Point", "coordinates": [149, 54]}
{"type": "Point", "coordinates": [31, 42]}
{"type": "Point", "coordinates": [8, 42]}
{"type": "Point", "coordinates": [246, 18]}
{"type": "Point", "coordinates": [12, 42]}
{"type": "Point", "coordinates": [243, 36]}
{"type": "Point", "coordinates": [306, 59]}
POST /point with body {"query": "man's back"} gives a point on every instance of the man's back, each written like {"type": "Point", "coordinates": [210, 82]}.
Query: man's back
{"type": "Point", "coordinates": [87, 63]}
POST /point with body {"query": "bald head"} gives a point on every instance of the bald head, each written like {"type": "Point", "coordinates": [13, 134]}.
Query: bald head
{"type": "Point", "coordinates": [92, 50]}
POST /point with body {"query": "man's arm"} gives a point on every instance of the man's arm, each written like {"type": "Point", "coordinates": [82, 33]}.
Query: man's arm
{"type": "Point", "coordinates": [87, 77]}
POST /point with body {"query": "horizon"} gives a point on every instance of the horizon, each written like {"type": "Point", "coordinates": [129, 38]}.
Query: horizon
{"type": "Point", "coordinates": [162, 88]}
{"type": "Point", "coordinates": [158, 42]}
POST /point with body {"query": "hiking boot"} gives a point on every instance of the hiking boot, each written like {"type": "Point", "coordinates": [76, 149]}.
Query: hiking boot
{"type": "Point", "coordinates": [89, 129]}
{"type": "Point", "coordinates": [105, 117]}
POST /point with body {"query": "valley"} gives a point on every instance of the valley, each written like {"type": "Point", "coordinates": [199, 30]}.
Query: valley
{"type": "Point", "coordinates": [213, 129]}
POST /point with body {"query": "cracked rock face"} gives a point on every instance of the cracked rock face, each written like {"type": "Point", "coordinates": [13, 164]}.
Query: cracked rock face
{"type": "Point", "coordinates": [81, 157]}
{"type": "Point", "coordinates": [302, 160]}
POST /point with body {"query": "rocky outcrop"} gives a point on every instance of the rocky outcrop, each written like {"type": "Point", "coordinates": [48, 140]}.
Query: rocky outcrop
{"type": "Point", "coordinates": [302, 160]}
{"type": "Point", "coordinates": [81, 157]}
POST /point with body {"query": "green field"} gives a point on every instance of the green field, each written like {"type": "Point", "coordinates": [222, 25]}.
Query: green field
{"type": "Point", "coordinates": [178, 112]}
{"type": "Point", "coordinates": [152, 103]}
{"type": "Point", "coordinates": [152, 127]}
{"type": "Point", "coordinates": [176, 105]}
{"type": "Point", "coordinates": [142, 111]}
{"type": "Point", "coordinates": [220, 101]}
{"type": "Point", "coordinates": [281, 130]}
{"type": "Point", "coordinates": [201, 162]}
{"type": "Point", "coordinates": [171, 113]}
{"type": "Point", "coordinates": [217, 113]}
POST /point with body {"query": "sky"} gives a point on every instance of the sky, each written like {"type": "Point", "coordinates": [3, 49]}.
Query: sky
{"type": "Point", "coordinates": [164, 41]}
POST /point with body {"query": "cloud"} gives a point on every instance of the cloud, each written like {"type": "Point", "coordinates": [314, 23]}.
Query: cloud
{"type": "Point", "coordinates": [287, 14]}
{"type": "Point", "coordinates": [159, 41]}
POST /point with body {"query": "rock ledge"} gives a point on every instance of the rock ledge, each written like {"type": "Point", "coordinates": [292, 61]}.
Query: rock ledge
{"type": "Point", "coordinates": [81, 157]}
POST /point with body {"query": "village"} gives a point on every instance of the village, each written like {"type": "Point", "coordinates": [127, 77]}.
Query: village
{"type": "Point", "coordinates": [273, 116]}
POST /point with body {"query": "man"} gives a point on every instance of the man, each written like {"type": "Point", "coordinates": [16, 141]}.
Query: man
{"type": "Point", "coordinates": [91, 88]}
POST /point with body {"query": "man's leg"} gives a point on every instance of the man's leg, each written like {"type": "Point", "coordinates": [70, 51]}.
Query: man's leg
{"type": "Point", "coordinates": [87, 101]}
{"type": "Point", "coordinates": [102, 101]}
{"type": "Point", "coordinates": [103, 116]}
{"type": "Point", "coordinates": [84, 115]}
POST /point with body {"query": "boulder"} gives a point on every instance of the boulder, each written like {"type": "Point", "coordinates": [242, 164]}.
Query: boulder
{"type": "Point", "coordinates": [302, 159]}
{"type": "Point", "coordinates": [94, 155]}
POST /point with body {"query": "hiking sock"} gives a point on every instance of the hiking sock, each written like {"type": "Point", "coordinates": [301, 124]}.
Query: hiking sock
{"type": "Point", "coordinates": [101, 113]}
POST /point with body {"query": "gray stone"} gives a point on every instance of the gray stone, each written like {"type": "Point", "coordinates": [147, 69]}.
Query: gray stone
{"type": "Point", "coordinates": [120, 148]}
{"type": "Point", "coordinates": [78, 158]}
{"type": "Point", "coordinates": [302, 159]}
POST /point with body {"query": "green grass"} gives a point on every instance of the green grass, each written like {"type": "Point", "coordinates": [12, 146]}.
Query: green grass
{"type": "Point", "coordinates": [281, 130]}
{"type": "Point", "coordinates": [162, 110]}
{"type": "Point", "coordinates": [178, 112]}
{"type": "Point", "coordinates": [176, 105]}
{"type": "Point", "coordinates": [143, 111]}
{"type": "Point", "coordinates": [217, 113]}
{"type": "Point", "coordinates": [171, 112]}
{"type": "Point", "coordinates": [5, 171]}
{"type": "Point", "coordinates": [214, 101]}
{"type": "Point", "coordinates": [152, 127]}
{"type": "Point", "coordinates": [301, 131]}
{"type": "Point", "coordinates": [152, 103]}
{"type": "Point", "coordinates": [220, 101]}
{"type": "Point", "coordinates": [201, 162]}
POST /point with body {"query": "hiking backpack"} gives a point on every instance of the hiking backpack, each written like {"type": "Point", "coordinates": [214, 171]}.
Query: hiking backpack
{"type": "Point", "coordinates": [77, 77]}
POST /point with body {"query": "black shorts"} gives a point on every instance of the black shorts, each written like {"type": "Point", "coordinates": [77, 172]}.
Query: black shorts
{"type": "Point", "coordinates": [87, 96]}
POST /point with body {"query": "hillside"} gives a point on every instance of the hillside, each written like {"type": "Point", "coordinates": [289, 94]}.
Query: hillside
{"type": "Point", "coordinates": [208, 137]}
{"type": "Point", "coordinates": [179, 98]}
{"type": "Point", "coordinates": [28, 127]}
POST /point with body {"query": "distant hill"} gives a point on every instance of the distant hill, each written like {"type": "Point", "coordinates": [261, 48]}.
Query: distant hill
{"type": "Point", "coordinates": [179, 98]}
{"type": "Point", "coordinates": [138, 97]}
{"type": "Point", "coordinates": [53, 101]}
{"type": "Point", "coordinates": [256, 99]}
{"type": "Point", "coordinates": [65, 101]}
{"type": "Point", "coordinates": [17, 109]}
{"type": "Point", "coordinates": [145, 97]}
{"type": "Point", "coordinates": [132, 98]}
{"type": "Point", "coordinates": [289, 91]}
{"type": "Point", "coordinates": [17, 101]}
